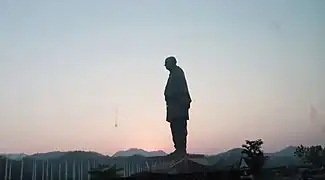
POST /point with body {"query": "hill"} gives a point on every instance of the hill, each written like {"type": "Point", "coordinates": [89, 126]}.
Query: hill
{"type": "Point", "coordinates": [48, 155]}
{"type": "Point", "coordinates": [288, 151]}
{"type": "Point", "coordinates": [14, 156]}
{"type": "Point", "coordinates": [55, 163]}
{"type": "Point", "coordinates": [225, 159]}
{"type": "Point", "coordinates": [140, 152]}
{"type": "Point", "coordinates": [284, 157]}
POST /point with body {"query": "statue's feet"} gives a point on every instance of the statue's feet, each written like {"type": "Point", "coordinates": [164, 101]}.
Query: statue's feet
{"type": "Point", "coordinates": [177, 154]}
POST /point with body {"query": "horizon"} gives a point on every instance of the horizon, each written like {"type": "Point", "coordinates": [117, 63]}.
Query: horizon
{"type": "Point", "coordinates": [253, 68]}
{"type": "Point", "coordinates": [112, 154]}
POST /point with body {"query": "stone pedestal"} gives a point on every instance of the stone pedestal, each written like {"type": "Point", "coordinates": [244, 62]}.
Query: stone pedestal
{"type": "Point", "coordinates": [174, 164]}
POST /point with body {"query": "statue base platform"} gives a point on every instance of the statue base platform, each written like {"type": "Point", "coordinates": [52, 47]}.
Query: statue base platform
{"type": "Point", "coordinates": [174, 157]}
{"type": "Point", "coordinates": [176, 164]}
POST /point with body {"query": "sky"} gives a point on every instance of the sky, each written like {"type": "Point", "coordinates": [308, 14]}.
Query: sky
{"type": "Point", "coordinates": [70, 69]}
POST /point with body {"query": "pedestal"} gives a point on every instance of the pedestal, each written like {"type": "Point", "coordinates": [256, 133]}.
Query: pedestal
{"type": "Point", "coordinates": [171, 164]}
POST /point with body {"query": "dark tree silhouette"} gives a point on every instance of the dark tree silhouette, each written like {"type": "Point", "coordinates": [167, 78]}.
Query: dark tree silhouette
{"type": "Point", "coordinates": [254, 155]}
{"type": "Point", "coordinates": [314, 155]}
{"type": "Point", "coordinates": [301, 153]}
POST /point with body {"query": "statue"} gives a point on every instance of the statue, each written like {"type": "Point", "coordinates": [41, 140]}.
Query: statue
{"type": "Point", "coordinates": [178, 101]}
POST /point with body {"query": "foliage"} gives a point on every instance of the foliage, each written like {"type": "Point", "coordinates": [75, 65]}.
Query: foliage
{"type": "Point", "coordinates": [301, 153]}
{"type": "Point", "coordinates": [314, 155]}
{"type": "Point", "coordinates": [105, 172]}
{"type": "Point", "coordinates": [255, 158]}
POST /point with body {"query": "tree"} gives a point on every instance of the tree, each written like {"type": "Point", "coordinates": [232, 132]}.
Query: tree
{"type": "Point", "coordinates": [254, 155]}
{"type": "Point", "coordinates": [104, 172]}
{"type": "Point", "coordinates": [314, 155]}
{"type": "Point", "coordinates": [301, 153]}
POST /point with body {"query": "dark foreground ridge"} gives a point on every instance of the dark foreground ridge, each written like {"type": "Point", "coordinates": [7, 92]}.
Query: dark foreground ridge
{"type": "Point", "coordinates": [173, 158]}
{"type": "Point", "coordinates": [185, 168]}
{"type": "Point", "coordinates": [291, 162]}
{"type": "Point", "coordinates": [219, 175]}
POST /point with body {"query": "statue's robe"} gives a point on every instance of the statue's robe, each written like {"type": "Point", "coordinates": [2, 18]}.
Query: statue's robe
{"type": "Point", "coordinates": [177, 96]}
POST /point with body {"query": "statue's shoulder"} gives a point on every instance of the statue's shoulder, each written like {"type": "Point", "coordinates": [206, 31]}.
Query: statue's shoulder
{"type": "Point", "coordinates": [178, 71]}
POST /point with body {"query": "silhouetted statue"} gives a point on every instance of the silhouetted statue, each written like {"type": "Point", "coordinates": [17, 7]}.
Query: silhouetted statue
{"type": "Point", "coordinates": [178, 103]}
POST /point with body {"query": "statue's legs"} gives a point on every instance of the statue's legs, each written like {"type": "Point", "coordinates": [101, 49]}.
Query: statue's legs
{"type": "Point", "coordinates": [179, 132]}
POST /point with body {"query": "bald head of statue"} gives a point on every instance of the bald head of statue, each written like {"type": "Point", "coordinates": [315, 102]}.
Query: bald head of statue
{"type": "Point", "coordinates": [170, 63]}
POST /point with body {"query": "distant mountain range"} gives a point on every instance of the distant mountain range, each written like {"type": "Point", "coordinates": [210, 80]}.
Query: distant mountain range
{"type": "Point", "coordinates": [289, 151]}
{"type": "Point", "coordinates": [58, 154]}
{"type": "Point", "coordinates": [14, 156]}
{"type": "Point", "coordinates": [140, 152]}
{"type": "Point", "coordinates": [284, 157]}
{"type": "Point", "coordinates": [131, 159]}
{"type": "Point", "coordinates": [48, 155]}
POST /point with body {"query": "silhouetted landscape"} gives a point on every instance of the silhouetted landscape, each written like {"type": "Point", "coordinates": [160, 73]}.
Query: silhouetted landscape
{"type": "Point", "coordinates": [133, 162]}
{"type": "Point", "coordinates": [241, 81]}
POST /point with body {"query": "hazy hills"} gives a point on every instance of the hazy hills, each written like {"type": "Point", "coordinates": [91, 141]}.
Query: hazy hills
{"type": "Point", "coordinates": [48, 155]}
{"type": "Point", "coordinates": [59, 154]}
{"type": "Point", "coordinates": [66, 155]}
{"type": "Point", "coordinates": [14, 156]}
{"type": "Point", "coordinates": [140, 152]}
{"type": "Point", "coordinates": [288, 151]}
{"type": "Point", "coordinates": [130, 160]}
{"type": "Point", "coordinates": [284, 157]}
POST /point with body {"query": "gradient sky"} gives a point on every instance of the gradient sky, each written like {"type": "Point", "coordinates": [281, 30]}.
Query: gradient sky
{"type": "Point", "coordinates": [253, 68]}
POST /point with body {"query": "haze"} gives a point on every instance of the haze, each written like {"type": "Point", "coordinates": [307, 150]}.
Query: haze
{"type": "Point", "coordinates": [253, 68]}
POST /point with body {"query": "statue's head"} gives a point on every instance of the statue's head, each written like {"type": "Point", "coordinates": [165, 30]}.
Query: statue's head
{"type": "Point", "coordinates": [170, 62]}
